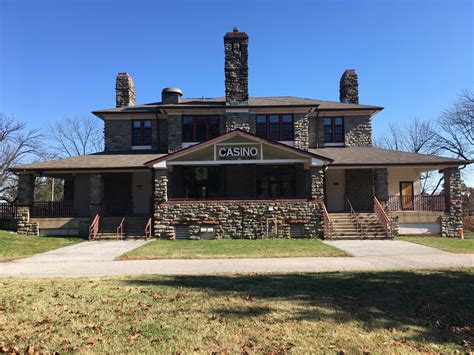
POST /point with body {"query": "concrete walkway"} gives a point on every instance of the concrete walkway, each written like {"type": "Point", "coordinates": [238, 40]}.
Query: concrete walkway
{"type": "Point", "coordinates": [97, 259]}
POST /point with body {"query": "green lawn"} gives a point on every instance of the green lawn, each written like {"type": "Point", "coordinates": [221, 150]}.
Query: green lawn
{"type": "Point", "coordinates": [232, 248]}
{"type": "Point", "coordinates": [377, 312]}
{"type": "Point", "coordinates": [453, 245]}
{"type": "Point", "coordinates": [14, 246]}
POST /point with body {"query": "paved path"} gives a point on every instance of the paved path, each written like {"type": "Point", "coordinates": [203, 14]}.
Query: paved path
{"type": "Point", "coordinates": [96, 259]}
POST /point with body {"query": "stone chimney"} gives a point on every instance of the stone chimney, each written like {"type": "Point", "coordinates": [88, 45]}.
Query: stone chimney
{"type": "Point", "coordinates": [236, 68]}
{"type": "Point", "coordinates": [349, 87]}
{"type": "Point", "coordinates": [124, 90]}
{"type": "Point", "coordinates": [171, 96]}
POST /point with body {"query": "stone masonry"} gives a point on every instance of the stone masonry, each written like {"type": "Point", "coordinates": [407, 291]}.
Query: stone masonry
{"type": "Point", "coordinates": [96, 193]}
{"type": "Point", "coordinates": [358, 131]}
{"type": "Point", "coordinates": [451, 222]}
{"type": "Point", "coordinates": [240, 120]}
{"type": "Point", "coordinates": [349, 87]}
{"type": "Point", "coordinates": [124, 90]}
{"type": "Point", "coordinates": [236, 67]}
{"type": "Point", "coordinates": [381, 184]}
{"type": "Point", "coordinates": [175, 129]}
{"type": "Point", "coordinates": [301, 131]}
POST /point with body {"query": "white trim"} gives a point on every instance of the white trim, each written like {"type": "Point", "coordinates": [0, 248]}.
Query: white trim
{"type": "Point", "coordinates": [316, 162]}
{"type": "Point", "coordinates": [236, 162]}
{"type": "Point", "coordinates": [160, 165]}
{"type": "Point", "coordinates": [188, 144]}
{"type": "Point", "coordinates": [243, 143]}
{"type": "Point", "coordinates": [141, 147]}
{"type": "Point", "coordinates": [288, 143]}
{"type": "Point", "coordinates": [236, 110]}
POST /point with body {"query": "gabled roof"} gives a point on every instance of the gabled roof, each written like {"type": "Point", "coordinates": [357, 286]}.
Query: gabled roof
{"type": "Point", "coordinates": [370, 156]}
{"type": "Point", "coordinates": [234, 133]}
{"type": "Point", "coordinates": [276, 101]}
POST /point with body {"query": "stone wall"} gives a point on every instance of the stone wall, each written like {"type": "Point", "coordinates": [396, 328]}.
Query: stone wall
{"type": "Point", "coordinates": [175, 133]}
{"type": "Point", "coordinates": [24, 226]}
{"type": "Point", "coordinates": [234, 219]}
{"type": "Point", "coordinates": [360, 188]}
{"type": "Point", "coordinates": [451, 222]}
{"type": "Point", "coordinates": [162, 134]}
{"type": "Point", "coordinates": [96, 193]}
{"type": "Point", "coordinates": [381, 184]}
{"type": "Point", "coordinates": [301, 133]}
{"type": "Point", "coordinates": [358, 131]}
{"type": "Point", "coordinates": [240, 120]}
{"type": "Point", "coordinates": [117, 135]}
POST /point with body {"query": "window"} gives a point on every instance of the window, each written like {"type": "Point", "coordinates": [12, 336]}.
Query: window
{"type": "Point", "coordinates": [275, 127]}
{"type": "Point", "coordinates": [276, 181]}
{"type": "Point", "coordinates": [200, 128]}
{"type": "Point", "coordinates": [141, 132]}
{"type": "Point", "coordinates": [333, 130]}
{"type": "Point", "coordinates": [202, 182]}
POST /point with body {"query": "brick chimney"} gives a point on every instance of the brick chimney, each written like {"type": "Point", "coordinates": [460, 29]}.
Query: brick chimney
{"type": "Point", "coordinates": [124, 90]}
{"type": "Point", "coordinates": [236, 67]}
{"type": "Point", "coordinates": [349, 87]}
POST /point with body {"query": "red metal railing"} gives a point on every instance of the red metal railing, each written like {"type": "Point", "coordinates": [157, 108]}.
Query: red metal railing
{"type": "Point", "coordinates": [355, 220]}
{"type": "Point", "coordinates": [120, 229]}
{"type": "Point", "coordinates": [383, 217]}
{"type": "Point", "coordinates": [328, 225]}
{"type": "Point", "coordinates": [8, 211]}
{"type": "Point", "coordinates": [52, 209]}
{"type": "Point", "coordinates": [416, 203]}
{"type": "Point", "coordinates": [148, 229]}
{"type": "Point", "coordinates": [94, 227]}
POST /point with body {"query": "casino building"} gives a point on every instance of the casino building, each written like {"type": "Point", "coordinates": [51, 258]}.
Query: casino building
{"type": "Point", "coordinates": [241, 167]}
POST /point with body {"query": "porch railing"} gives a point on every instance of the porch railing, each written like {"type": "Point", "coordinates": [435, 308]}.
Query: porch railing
{"type": "Point", "coordinates": [355, 219]}
{"type": "Point", "coordinates": [328, 225]}
{"type": "Point", "coordinates": [120, 229]}
{"type": "Point", "coordinates": [8, 211]}
{"type": "Point", "coordinates": [148, 229]}
{"type": "Point", "coordinates": [52, 209]}
{"type": "Point", "coordinates": [94, 227]}
{"type": "Point", "coordinates": [416, 203]}
{"type": "Point", "coordinates": [384, 219]}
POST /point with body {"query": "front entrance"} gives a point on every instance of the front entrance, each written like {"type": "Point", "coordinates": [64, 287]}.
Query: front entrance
{"type": "Point", "coordinates": [406, 195]}
{"type": "Point", "coordinates": [335, 189]}
{"type": "Point", "coordinates": [117, 194]}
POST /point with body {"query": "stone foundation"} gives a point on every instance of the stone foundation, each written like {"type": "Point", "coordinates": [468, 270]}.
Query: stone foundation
{"type": "Point", "coordinates": [24, 226]}
{"type": "Point", "coordinates": [235, 219]}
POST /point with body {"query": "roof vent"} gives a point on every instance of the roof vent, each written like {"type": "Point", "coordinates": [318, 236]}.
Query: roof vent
{"type": "Point", "coordinates": [171, 96]}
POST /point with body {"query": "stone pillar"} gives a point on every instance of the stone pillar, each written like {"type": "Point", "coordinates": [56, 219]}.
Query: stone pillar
{"type": "Point", "coordinates": [301, 131]}
{"type": "Point", "coordinates": [175, 133]}
{"type": "Point", "coordinates": [26, 189]}
{"type": "Point", "coordinates": [69, 189]}
{"type": "Point", "coordinates": [451, 222]}
{"type": "Point", "coordinates": [124, 90]}
{"type": "Point", "coordinates": [317, 183]}
{"type": "Point", "coordinates": [161, 186]}
{"type": "Point", "coordinates": [381, 185]}
{"type": "Point", "coordinates": [96, 193]}
{"type": "Point", "coordinates": [349, 87]}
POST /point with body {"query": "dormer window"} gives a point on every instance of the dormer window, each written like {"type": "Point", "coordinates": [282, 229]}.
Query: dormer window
{"type": "Point", "coordinates": [141, 133]}
{"type": "Point", "coordinates": [275, 127]}
{"type": "Point", "coordinates": [333, 130]}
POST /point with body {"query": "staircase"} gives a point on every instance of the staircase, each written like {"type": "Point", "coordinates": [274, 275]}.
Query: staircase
{"type": "Point", "coordinates": [345, 228]}
{"type": "Point", "coordinates": [133, 227]}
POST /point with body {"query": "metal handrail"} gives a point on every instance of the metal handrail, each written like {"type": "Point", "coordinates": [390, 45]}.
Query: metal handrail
{"type": "Point", "coordinates": [383, 217]}
{"type": "Point", "coordinates": [360, 228]}
{"type": "Point", "coordinates": [328, 225]}
{"type": "Point", "coordinates": [148, 229]}
{"type": "Point", "coordinates": [120, 229]}
{"type": "Point", "coordinates": [94, 227]}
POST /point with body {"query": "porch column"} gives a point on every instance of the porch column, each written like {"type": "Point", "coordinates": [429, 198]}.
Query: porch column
{"type": "Point", "coordinates": [161, 186]}
{"type": "Point", "coordinates": [69, 189]}
{"type": "Point", "coordinates": [381, 185]}
{"type": "Point", "coordinates": [96, 193]}
{"type": "Point", "coordinates": [317, 183]}
{"type": "Point", "coordinates": [451, 222]}
{"type": "Point", "coordinates": [162, 226]}
{"type": "Point", "coordinates": [26, 189]}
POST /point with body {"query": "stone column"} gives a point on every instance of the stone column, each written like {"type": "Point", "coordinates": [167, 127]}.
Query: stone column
{"type": "Point", "coordinates": [162, 226]}
{"type": "Point", "coordinates": [451, 222]}
{"type": "Point", "coordinates": [301, 131]}
{"type": "Point", "coordinates": [317, 183]}
{"type": "Point", "coordinates": [26, 189]}
{"type": "Point", "coordinates": [96, 193]}
{"type": "Point", "coordinates": [381, 185]}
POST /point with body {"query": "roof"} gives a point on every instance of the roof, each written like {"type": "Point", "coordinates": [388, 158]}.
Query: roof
{"type": "Point", "coordinates": [98, 161]}
{"type": "Point", "coordinates": [370, 156]}
{"type": "Point", "coordinates": [276, 101]}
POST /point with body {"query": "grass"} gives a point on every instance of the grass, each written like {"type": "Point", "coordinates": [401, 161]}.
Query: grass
{"type": "Point", "coordinates": [453, 245]}
{"type": "Point", "coordinates": [232, 248]}
{"type": "Point", "coordinates": [15, 246]}
{"type": "Point", "coordinates": [378, 312]}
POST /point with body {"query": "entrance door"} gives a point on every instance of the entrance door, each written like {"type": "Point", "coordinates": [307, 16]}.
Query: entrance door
{"type": "Point", "coordinates": [141, 192]}
{"type": "Point", "coordinates": [335, 189]}
{"type": "Point", "coordinates": [117, 193]}
{"type": "Point", "coordinates": [406, 195]}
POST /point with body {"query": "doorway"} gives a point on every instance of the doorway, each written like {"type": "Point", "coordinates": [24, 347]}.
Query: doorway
{"type": "Point", "coordinates": [335, 189]}
{"type": "Point", "coordinates": [406, 195]}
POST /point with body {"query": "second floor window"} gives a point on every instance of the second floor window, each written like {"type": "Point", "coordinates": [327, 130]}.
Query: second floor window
{"type": "Point", "coordinates": [200, 128]}
{"type": "Point", "coordinates": [333, 130]}
{"type": "Point", "coordinates": [275, 127]}
{"type": "Point", "coordinates": [141, 132]}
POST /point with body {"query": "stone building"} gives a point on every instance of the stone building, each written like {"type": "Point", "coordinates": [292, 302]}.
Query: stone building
{"type": "Point", "coordinates": [242, 167]}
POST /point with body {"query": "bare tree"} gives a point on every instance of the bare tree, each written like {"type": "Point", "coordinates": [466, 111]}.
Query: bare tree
{"type": "Point", "coordinates": [17, 144]}
{"type": "Point", "coordinates": [73, 136]}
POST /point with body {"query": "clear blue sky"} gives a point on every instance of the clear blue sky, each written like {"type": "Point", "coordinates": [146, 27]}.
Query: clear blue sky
{"type": "Point", "coordinates": [61, 57]}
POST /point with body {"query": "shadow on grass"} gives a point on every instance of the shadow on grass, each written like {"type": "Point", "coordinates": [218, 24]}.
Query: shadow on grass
{"type": "Point", "coordinates": [434, 306]}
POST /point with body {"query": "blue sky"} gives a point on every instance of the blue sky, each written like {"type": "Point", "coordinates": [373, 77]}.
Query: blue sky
{"type": "Point", "coordinates": [61, 57]}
